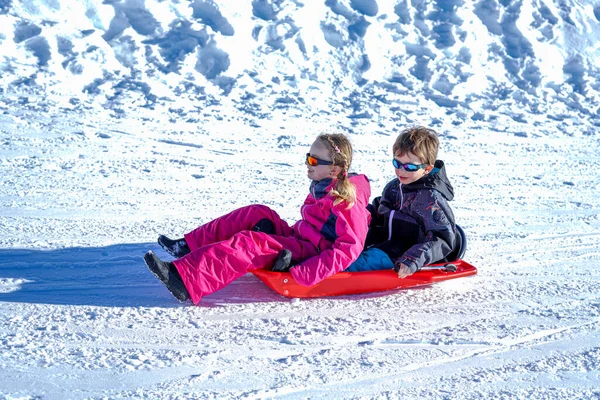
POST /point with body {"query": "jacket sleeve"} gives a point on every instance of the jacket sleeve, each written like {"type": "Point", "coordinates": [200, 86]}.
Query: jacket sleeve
{"type": "Point", "coordinates": [351, 228]}
{"type": "Point", "coordinates": [440, 235]}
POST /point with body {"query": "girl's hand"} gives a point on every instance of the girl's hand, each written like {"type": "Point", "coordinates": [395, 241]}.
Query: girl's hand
{"type": "Point", "coordinates": [283, 263]}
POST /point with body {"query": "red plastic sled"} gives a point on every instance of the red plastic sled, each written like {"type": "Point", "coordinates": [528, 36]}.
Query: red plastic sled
{"type": "Point", "coordinates": [360, 282]}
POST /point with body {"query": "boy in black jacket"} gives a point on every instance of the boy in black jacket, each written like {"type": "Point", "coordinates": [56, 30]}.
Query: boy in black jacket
{"type": "Point", "coordinates": [413, 224]}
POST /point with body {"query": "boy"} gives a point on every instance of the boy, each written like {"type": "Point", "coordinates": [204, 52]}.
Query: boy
{"type": "Point", "coordinates": [413, 224]}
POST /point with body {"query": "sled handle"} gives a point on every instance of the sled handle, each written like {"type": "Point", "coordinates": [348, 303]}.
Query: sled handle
{"type": "Point", "coordinates": [449, 267]}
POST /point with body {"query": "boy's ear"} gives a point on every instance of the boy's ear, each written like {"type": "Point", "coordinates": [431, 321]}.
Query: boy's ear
{"type": "Point", "coordinates": [428, 168]}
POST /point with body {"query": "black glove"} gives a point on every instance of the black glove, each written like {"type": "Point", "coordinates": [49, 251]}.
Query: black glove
{"type": "Point", "coordinates": [283, 262]}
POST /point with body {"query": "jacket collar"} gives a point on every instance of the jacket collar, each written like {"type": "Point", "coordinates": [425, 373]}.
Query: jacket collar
{"type": "Point", "coordinates": [319, 188]}
{"type": "Point", "coordinates": [436, 179]}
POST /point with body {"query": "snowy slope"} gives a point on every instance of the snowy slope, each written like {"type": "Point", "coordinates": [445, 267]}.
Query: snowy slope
{"type": "Point", "coordinates": [123, 120]}
{"type": "Point", "coordinates": [365, 60]}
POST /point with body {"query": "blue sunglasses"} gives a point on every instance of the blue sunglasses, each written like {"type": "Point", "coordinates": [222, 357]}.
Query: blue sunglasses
{"type": "Point", "coordinates": [408, 167]}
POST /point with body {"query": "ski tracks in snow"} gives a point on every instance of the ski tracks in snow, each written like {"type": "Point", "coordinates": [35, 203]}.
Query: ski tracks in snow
{"type": "Point", "coordinates": [85, 314]}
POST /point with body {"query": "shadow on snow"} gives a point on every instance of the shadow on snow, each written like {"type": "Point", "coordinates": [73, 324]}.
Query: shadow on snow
{"type": "Point", "coordinates": [112, 276]}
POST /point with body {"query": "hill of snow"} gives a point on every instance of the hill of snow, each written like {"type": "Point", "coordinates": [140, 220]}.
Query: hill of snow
{"type": "Point", "coordinates": [371, 62]}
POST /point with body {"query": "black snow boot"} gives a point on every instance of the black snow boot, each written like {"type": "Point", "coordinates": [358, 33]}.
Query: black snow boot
{"type": "Point", "coordinates": [265, 225]}
{"type": "Point", "coordinates": [168, 275]}
{"type": "Point", "coordinates": [177, 248]}
{"type": "Point", "coordinates": [283, 262]}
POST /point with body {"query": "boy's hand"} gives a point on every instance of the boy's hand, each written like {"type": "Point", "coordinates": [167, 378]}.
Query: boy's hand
{"type": "Point", "coordinates": [403, 270]}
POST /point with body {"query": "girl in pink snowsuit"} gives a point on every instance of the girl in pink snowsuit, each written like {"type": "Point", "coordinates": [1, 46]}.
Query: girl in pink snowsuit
{"type": "Point", "coordinates": [329, 237]}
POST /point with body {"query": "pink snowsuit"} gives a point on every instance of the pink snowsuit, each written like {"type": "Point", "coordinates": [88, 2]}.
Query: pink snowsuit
{"type": "Point", "coordinates": [326, 240]}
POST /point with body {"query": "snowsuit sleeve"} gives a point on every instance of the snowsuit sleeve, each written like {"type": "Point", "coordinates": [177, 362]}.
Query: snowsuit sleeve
{"type": "Point", "coordinates": [351, 230]}
{"type": "Point", "coordinates": [433, 213]}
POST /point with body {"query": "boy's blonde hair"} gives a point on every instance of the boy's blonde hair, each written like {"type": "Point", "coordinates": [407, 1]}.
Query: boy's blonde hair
{"type": "Point", "coordinates": [340, 149]}
{"type": "Point", "coordinates": [422, 142]}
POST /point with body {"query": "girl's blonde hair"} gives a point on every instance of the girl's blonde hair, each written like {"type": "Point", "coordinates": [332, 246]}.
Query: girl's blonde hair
{"type": "Point", "coordinates": [340, 149]}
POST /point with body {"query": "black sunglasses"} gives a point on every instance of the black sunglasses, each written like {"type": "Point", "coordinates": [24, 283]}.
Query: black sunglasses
{"type": "Point", "coordinates": [314, 161]}
{"type": "Point", "coordinates": [408, 167]}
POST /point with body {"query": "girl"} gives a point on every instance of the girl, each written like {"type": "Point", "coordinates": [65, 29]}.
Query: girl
{"type": "Point", "coordinates": [328, 238]}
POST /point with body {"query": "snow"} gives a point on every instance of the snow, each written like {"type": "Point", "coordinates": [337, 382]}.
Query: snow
{"type": "Point", "coordinates": [140, 127]}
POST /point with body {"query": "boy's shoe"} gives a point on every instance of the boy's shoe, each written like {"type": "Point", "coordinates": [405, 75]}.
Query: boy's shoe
{"type": "Point", "coordinates": [283, 262]}
{"type": "Point", "coordinates": [177, 248]}
{"type": "Point", "coordinates": [164, 272]}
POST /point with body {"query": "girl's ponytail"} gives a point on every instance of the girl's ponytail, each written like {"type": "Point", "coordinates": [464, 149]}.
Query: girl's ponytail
{"type": "Point", "coordinates": [341, 154]}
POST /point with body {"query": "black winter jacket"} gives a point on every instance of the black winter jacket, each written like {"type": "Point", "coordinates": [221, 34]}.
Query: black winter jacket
{"type": "Point", "coordinates": [417, 226]}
